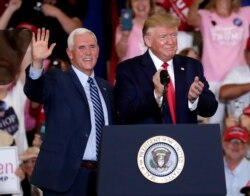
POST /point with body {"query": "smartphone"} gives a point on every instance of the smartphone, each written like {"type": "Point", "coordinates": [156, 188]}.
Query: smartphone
{"type": "Point", "coordinates": [126, 19]}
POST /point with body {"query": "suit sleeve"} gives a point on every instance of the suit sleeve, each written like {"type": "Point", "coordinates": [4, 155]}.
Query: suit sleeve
{"type": "Point", "coordinates": [38, 90]}
{"type": "Point", "coordinates": [134, 95]}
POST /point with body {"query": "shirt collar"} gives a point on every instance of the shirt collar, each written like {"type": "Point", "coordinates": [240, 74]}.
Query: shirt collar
{"type": "Point", "coordinates": [158, 62]}
{"type": "Point", "coordinates": [240, 167]}
{"type": "Point", "coordinates": [82, 76]}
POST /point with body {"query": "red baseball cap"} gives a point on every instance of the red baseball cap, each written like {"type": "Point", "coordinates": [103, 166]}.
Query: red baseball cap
{"type": "Point", "coordinates": [26, 25]}
{"type": "Point", "coordinates": [236, 132]}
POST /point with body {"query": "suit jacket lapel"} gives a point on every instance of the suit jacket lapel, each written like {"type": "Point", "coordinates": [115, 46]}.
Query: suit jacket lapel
{"type": "Point", "coordinates": [148, 66]}
{"type": "Point", "coordinates": [179, 72]}
{"type": "Point", "coordinates": [180, 79]}
{"type": "Point", "coordinates": [77, 83]}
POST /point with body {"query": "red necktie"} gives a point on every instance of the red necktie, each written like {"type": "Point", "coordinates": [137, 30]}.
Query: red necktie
{"type": "Point", "coordinates": [170, 94]}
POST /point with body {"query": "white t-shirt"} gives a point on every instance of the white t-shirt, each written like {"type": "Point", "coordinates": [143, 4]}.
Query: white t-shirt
{"type": "Point", "coordinates": [13, 119]}
{"type": "Point", "coordinates": [185, 40]}
{"type": "Point", "coordinates": [238, 75]}
{"type": "Point", "coordinates": [238, 178]}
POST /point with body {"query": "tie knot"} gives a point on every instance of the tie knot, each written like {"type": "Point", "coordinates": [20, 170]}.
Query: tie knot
{"type": "Point", "coordinates": [90, 80]}
{"type": "Point", "coordinates": [164, 65]}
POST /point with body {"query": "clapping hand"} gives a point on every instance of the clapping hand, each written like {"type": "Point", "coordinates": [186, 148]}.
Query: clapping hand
{"type": "Point", "coordinates": [195, 89]}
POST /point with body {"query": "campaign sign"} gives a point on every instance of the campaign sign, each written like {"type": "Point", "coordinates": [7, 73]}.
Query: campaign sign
{"type": "Point", "coordinates": [9, 182]}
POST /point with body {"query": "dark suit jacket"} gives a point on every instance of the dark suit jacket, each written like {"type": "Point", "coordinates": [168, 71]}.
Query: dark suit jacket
{"type": "Point", "coordinates": [134, 92]}
{"type": "Point", "coordinates": [68, 125]}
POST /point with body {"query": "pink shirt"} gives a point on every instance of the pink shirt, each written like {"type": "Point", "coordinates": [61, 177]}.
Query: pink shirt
{"type": "Point", "coordinates": [135, 45]}
{"type": "Point", "coordinates": [224, 42]}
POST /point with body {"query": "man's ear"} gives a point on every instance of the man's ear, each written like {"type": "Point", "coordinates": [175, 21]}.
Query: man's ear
{"type": "Point", "coordinates": [69, 53]}
{"type": "Point", "coordinates": [147, 40]}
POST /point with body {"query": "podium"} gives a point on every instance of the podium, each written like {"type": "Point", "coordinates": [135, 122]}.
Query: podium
{"type": "Point", "coordinates": [154, 160]}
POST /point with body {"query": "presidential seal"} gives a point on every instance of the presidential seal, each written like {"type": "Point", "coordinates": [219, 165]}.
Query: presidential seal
{"type": "Point", "coordinates": [161, 159]}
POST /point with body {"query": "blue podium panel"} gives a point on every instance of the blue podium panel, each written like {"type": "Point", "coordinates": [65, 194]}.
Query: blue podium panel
{"type": "Point", "coordinates": [154, 160]}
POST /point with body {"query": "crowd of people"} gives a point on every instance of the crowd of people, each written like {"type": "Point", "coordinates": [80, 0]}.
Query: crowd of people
{"type": "Point", "coordinates": [58, 105]}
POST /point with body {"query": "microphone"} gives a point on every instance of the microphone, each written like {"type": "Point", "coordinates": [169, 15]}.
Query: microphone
{"type": "Point", "coordinates": [164, 77]}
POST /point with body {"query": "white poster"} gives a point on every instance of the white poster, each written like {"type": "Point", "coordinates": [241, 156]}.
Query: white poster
{"type": "Point", "coordinates": [9, 182]}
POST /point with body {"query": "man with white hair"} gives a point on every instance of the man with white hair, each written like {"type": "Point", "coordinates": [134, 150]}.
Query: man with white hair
{"type": "Point", "coordinates": [235, 144]}
{"type": "Point", "coordinates": [77, 105]}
